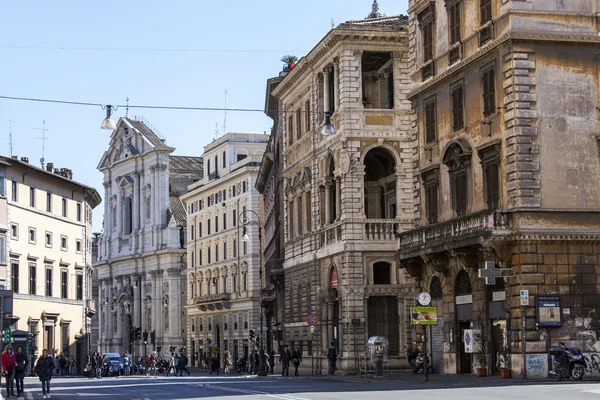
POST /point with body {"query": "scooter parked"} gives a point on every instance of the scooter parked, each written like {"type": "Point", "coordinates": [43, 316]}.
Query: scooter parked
{"type": "Point", "coordinates": [416, 360]}
{"type": "Point", "coordinates": [567, 363]}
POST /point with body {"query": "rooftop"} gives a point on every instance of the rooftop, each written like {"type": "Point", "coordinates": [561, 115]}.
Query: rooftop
{"type": "Point", "coordinates": [237, 137]}
{"type": "Point", "coordinates": [186, 164]}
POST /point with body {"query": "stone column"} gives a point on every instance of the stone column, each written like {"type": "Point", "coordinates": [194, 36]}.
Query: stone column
{"type": "Point", "coordinates": [137, 299]}
{"type": "Point", "coordinates": [338, 198]}
{"type": "Point", "coordinates": [327, 201]}
{"type": "Point", "coordinates": [326, 90]}
{"type": "Point", "coordinates": [330, 313]}
{"type": "Point", "coordinates": [399, 181]}
{"type": "Point", "coordinates": [157, 323]}
{"type": "Point", "coordinates": [120, 203]}
{"type": "Point", "coordinates": [136, 203]}
{"type": "Point", "coordinates": [175, 304]}
{"type": "Point", "coordinates": [336, 84]}
{"type": "Point", "coordinates": [107, 219]}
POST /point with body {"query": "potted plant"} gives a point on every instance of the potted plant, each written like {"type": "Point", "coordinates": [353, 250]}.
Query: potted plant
{"type": "Point", "coordinates": [504, 362]}
{"type": "Point", "coordinates": [481, 339]}
{"type": "Point", "coordinates": [289, 61]}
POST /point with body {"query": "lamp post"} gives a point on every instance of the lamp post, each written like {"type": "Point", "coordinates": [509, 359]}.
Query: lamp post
{"type": "Point", "coordinates": [245, 221]}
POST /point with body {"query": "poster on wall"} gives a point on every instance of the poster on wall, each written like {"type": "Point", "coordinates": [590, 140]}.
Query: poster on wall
{"type": "Point", "coordinates": [548, 310]}
{"type": "Point", "coordinates": [472, 340]}
{"type": "Point", "coordinates": [424, 315]}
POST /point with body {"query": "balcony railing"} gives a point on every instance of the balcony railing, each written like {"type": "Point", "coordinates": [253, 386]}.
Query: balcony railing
{"type": "Point", "coordinates": [274, 266]}
{"type": "Point", "coordinates": [470, 225]}
{"type": "Point", "coordinates": [213, 175]}
{"type": "Point", "coordinates": [91, 306]}
{"type": "Point", "coordinates": [381, 229]}
{"type": "Point", "coordinates": [331, 234]}
{"type": "Point", "coordinates": [213, 301]}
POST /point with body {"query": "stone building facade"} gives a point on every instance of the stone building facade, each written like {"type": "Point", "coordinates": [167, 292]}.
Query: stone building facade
{"type": "Point", "coordinates": [504, 125]}
{"type": "Point", "coordinates": [223, 291]}
{"type": "Point", "coordinates": [347, 195]}
{"type": "Point", "coordinates": [269, 184]}
{"type": "Point", "coordinates": [141, 252]}
{"type": "Point", "coordinates": [49, 258]}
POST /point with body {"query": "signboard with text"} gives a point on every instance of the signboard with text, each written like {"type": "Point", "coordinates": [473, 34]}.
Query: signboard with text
{"type": "Point", "coordinates": [548, 310]}
{"type": "Point", "coordinates": [424, 315]}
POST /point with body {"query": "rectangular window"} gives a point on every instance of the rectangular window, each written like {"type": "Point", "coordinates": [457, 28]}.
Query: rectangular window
{"type": "Point", "coordinates": [457, 108]}
{"type": "Point", "coordinates": [291, 220]}
{"type": "Point", "coordinates": [224, 162]}
{"type": "Point", "coordinates": [234, 285]}
{"type": "Point", "coordinates": [31, 197]}
{"type": "Point", "coordinates": [427, 35]}
{"type": "Point", "coordinates": [64, 208]}
{"type": "Point", "coordinates": [244, 187]}
{"type": "Point", "coordinates": [224, 280]}
{"type": "Point", "coordinates": [430, 120]}
{"type": "Point", "coordinates": [235, 248]}
{"type": "Point", "coordinates": [192, 259]}
{"type": "Point", "coordinates": [48, 239]}
{"type": "Point", "coordinates": [32, 235]}
{"type": "Point", "coordinates": [234, 217]}
{"type": "Point", "coordinates": [48, 202]}
{"type": "Point", "coordinates": [192, 228]}
{"type": "Point", "coordinates": [489, 92]}
{"type": "Point", "coordinates": [48, 282]}
{"type": "Point", "coordinates": [216, 224]}
{"type": "Point", "coordinates": [224, 250]}
{"type": "Point", "coordinates": [485, 7]}
{"type": "Point", "coordinates": [79, 287]}
{"type": "Point", "coordinates": [233, 191]}
{"type": "Point", "coordinates": [290, 130]}
{"type": "Point", "coordinates": [14, 267]}
{"type": "Point", "coordinates": [15, 186]}
{"type": "Point", "coordinates": [454, 17]}
{"type": "Point", "coordinates": [148, 207]}
{"type": "Point", "coordinates": [209, 255]}
{"type": "Point", "coordinates": [200, 257]}
{"type": "Point", "coordinates": [224, 221]}
{"type": "Point", "coordinates": [78, 245]}
{"type": "Point", "coordinates": [79, 212]}
{"type": "Point", "coordinates": [431, 198]}
{"type": "Point", "coordinates": [224, 194]}
{"type": "Point", "coordinates": [63, 243]}
{"type": "Point", "coordinates": [64, 284]}
{"type": "Point", "coordinates": [244, 281]}
{"type": "Point", "coordinates": [2, 249]}
{"type": "Point", "coordinates": [245, 246]}
{"type": "Point", "coordinates": [460, 193]}
{"type": "Point", "coordinates": [491, 177]}
{"type": "Point", "coordinates": [298, 124]}
{"type": "Point", "coordinates": [307, 126]}
{"type": "Point", "coordinates": [14, 231]}
{"type": "Point", "coordinates": [299, 208]}
{"type": "Point", "coordinates": [216, 253]}
{"type": "Point", "coordinates": [308, 212]}
{"type": "Point", "coordinates": [208, 226]}
{"type": "Point", "coordinates": [32, 278]}
{"type": "Point", "coordinates": [2, 186]}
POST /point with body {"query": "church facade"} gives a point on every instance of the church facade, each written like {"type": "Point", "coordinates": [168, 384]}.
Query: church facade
{"type": "Point", "coordinates": [141, 252]}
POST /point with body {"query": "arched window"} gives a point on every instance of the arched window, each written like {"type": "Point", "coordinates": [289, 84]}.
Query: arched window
{"type": "Point", "coordinates": [224, 160]}
{"type": "Point", "coordinates": [380, 184]}
{"type": "Point", "coordinates": [463, 284]}
{"type": "Point", "coordinates": [435, 288]}
{"type": "Point", "coordinates": [207, 167]}
{"type": "Point", "coordinates": [458, 160]}
{"type": "Point", "coordinates": [382, 273]}
{"type": "Point", "coordinates": [299, 302]}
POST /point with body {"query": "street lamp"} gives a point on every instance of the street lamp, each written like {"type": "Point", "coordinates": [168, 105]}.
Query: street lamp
{"type": "Point", "coordinates": [328, 129]}
{"type": "Point", "coordinates": [108, 123]}
{"type": "Point", "coordinates": [245, 222]}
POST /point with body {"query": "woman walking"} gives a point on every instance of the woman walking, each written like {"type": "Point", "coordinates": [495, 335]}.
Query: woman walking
{"type": "Point", "coordinates": [296, 359]}
{"type": "Point", "coordinates": [22, 363]}
{"type": "Point", "coordinates": [45, 367]}
{"type": "Point", "coordinates": [9, 363]}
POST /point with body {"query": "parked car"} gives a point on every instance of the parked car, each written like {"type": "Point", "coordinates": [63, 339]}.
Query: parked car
{"type": "Point", "coordinates": [112, 364]}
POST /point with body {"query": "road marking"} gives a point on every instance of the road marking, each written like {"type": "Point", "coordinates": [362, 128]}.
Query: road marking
{"type": "Point", "coordinates": [29, 395]}
{"type": "Point", "coordinates": [244, 391]}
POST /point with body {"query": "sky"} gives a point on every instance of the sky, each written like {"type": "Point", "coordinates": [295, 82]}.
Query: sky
{"type": "Point", "coordinates": [175, 53]}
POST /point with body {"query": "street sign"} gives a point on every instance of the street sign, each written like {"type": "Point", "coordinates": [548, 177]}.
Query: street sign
{"type": "Point", "coordinates": [312, 329]}
{"type": "Point", "coordinates": [312, 319]}
{"type": "Point", "coordinates": [490, 273]}
{"type": "Point", "coordinates": [524, 295]}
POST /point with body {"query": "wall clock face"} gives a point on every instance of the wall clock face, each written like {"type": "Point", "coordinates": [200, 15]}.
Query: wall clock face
{"type": "Point", "coordinates": [424, 298]}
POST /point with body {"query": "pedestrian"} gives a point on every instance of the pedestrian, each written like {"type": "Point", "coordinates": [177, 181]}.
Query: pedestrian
{"type": "Point", "coordinates": [272, 361]}
{"type": "Point", "coordinates": [98, 365]}
{"type": "Point", "coordinates": [171, 366]}
{"type": "Point", "coordinates": [9, 364]}
{"type": "Point", "coordinates": [57, 363]}
{"type": "Point", "coordinates": [44, 367]}
{"type": "Point", "coordinates": [126, 364]}
{"type": "Point", "coordinates": [183, 363]}
{"type": "Point", "coordinates": [92, 366]}
{"type": "Point", "coordinates": [227, 362]}
{"type": "Point", "coordinates": [21, 368]}
{"type": "Point", "coordinates": [72, 365]}
{"type": "Point", "coordinates": [62, 362]}
{"type": "Point", "coordinates": [214, 366]}
{"type": "Point", "coordinates": [286, 357]}
{"type": "Point", "coordinates": [332, 356]}
{"type": "Point", "coordinates": [296, 359]}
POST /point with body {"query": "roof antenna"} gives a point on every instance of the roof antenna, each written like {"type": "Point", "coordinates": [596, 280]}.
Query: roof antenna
{"type": "Point", "coordinates": [43, 138]}
{"type": "Point", "coordinates": [225, 116]}
{"type": "Point", "coordinates": [332, 24]}
{"type": "Point", "coordinates": [10, 142]}
{"type": "Point", "coordinates": [127, 109]}
{"type": "Point", "coordinates": [216, 130]}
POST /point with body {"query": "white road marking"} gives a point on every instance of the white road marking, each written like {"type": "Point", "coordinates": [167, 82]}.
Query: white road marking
{"type": "Point", "coordinates": [594, 391]}
{"type": "Point", "coordinates": [29, 395]}
{"type": "Point", "coordinates": [255, 392]}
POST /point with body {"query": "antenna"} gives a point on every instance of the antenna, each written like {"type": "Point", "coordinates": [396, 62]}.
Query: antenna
{"type": "Point", "coordinates": [225, 115]}
{"type": "Point", "coordinates": [332, 24]}
{"type": "Point", "coordinates": [43, 138]}
{"type": "Point", "coordinates": [216, 130]}
{"type": "Point", "coordinates": [10, 142]}
{"type": "Point", "coordinates": [127, 108]}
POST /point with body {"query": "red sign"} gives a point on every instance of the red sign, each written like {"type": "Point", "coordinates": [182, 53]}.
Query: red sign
{"type": "Point", "coordinates": [333, 279]}
{"type": "Point", "coordinates": [312, 319]}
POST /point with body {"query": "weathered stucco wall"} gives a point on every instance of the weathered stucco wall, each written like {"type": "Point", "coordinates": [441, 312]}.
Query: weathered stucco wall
{"type": "Point", "coordinates": [567, 87]}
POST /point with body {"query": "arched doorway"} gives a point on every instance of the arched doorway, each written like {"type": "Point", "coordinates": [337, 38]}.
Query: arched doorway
{"type": "Point", "coordinates": [333, 309]}
{"type": "Point", "coordinates": [382, 311]}
{"type": "Point", "coordinates": [436, 336]}
{"type": "Point", "coordinates": [380, 184]}
{"type": "Point", "coordinates": [464, 316]}
{"type": "Point", "coordinates": [217, 343]}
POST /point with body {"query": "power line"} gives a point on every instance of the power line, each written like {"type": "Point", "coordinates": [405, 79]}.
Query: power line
{"type": "Point", "coordinates": [163, 50]}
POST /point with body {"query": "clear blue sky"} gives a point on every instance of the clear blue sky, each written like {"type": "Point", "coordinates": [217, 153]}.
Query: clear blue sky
{"type": "Point", "coordinates": [262, 31]}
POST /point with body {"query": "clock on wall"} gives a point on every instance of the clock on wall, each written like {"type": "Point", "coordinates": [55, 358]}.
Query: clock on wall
{"type": "Point", "coordinates": [424, 298]}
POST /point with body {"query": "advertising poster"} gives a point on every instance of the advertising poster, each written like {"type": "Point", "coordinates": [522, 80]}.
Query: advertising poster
{"type": "Point", "coordinates": [548, 310]}
{"type": "Point", "coordinates": [424, 315]}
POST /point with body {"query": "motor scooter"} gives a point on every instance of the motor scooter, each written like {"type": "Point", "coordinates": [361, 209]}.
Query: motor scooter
{"type": "Point", "coordinates": [416, 360]}
{"type": "Point", "coordinates": [567, 363]}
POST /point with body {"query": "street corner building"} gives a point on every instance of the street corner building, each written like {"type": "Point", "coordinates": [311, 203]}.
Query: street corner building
{"type": "Point", "coordinates": [141, 252]}
{"type": "Point", "coordinates": [345, 196]}
{"type": "Point", "coordinates": [224, 271]}
{"type": "Point", "coordinates": [46, 229]}
{"type": "Point", "coordinates": [504, 112]}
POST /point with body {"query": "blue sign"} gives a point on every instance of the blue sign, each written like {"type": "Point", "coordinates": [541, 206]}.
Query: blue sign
{"type": "Point", "coordinates": [549, 311]}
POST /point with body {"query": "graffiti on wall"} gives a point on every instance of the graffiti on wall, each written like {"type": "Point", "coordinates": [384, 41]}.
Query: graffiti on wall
{"type": "Point", "coordinates": [592, 361]}
{"type": "Point", "coordinates": [537, 365]}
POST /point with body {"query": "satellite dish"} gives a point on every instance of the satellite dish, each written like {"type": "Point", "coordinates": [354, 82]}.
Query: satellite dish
{"type": "Point", "coordinates": [42, 160]}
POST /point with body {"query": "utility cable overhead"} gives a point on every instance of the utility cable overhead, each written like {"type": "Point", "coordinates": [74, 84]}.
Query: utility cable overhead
{"type": "Point", "coordinates": [163, 50]}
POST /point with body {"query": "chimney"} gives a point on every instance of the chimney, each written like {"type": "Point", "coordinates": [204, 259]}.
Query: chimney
{"type": "Point", "coordinates": [56, 171]}
{"type": "Point", "coordinates": [25, 159]}
{"type": "Point", "coordinates": [15, 157]}
{"type": "Point", "coordinates": [50, 167]}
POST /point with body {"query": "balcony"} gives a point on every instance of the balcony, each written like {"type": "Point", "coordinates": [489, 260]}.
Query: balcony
{"type": "Point", "coordinates": [331, 234]}
{"type": "Point", "coordinates": [90, 306]}
{"type": "Point", "coordinates": [213, 302]}
{"type": "Point", "coordinates": [213, 175]}
{"type": "Point", "coordinates": [274, 267]}
{"type": "Point", "coordinates": [457, 232]}
{"type": "Point", "coordinates": [381, 229]}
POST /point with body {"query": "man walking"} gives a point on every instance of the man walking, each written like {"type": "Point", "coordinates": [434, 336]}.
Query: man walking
{"type": "Point", "coordinates": [183, 362]}
{"type": "Point", "coordinates": [332, 356]}
{"type": "Point", "coordinates": [286, 357]}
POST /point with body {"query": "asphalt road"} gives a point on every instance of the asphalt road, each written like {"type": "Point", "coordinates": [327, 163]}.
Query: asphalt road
{"type": "Point", "coordinates": [320, 388]}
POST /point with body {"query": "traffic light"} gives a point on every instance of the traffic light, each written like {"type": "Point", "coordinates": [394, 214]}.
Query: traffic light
{"type": "Point", "coordinates": [252, 335]}
{"type": "Point", "coordinates": [131, 333]}
{"type": "Point", "coordinates": [145, 338]}
{"type": "Point", "coordinates": [153, 337]}
{"type": "Point", "coordinates": [257, 342]}
{"type": "Point", "coordinates": [6, 335]}
{"type": "Point", "coordinates": [138, 333]}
